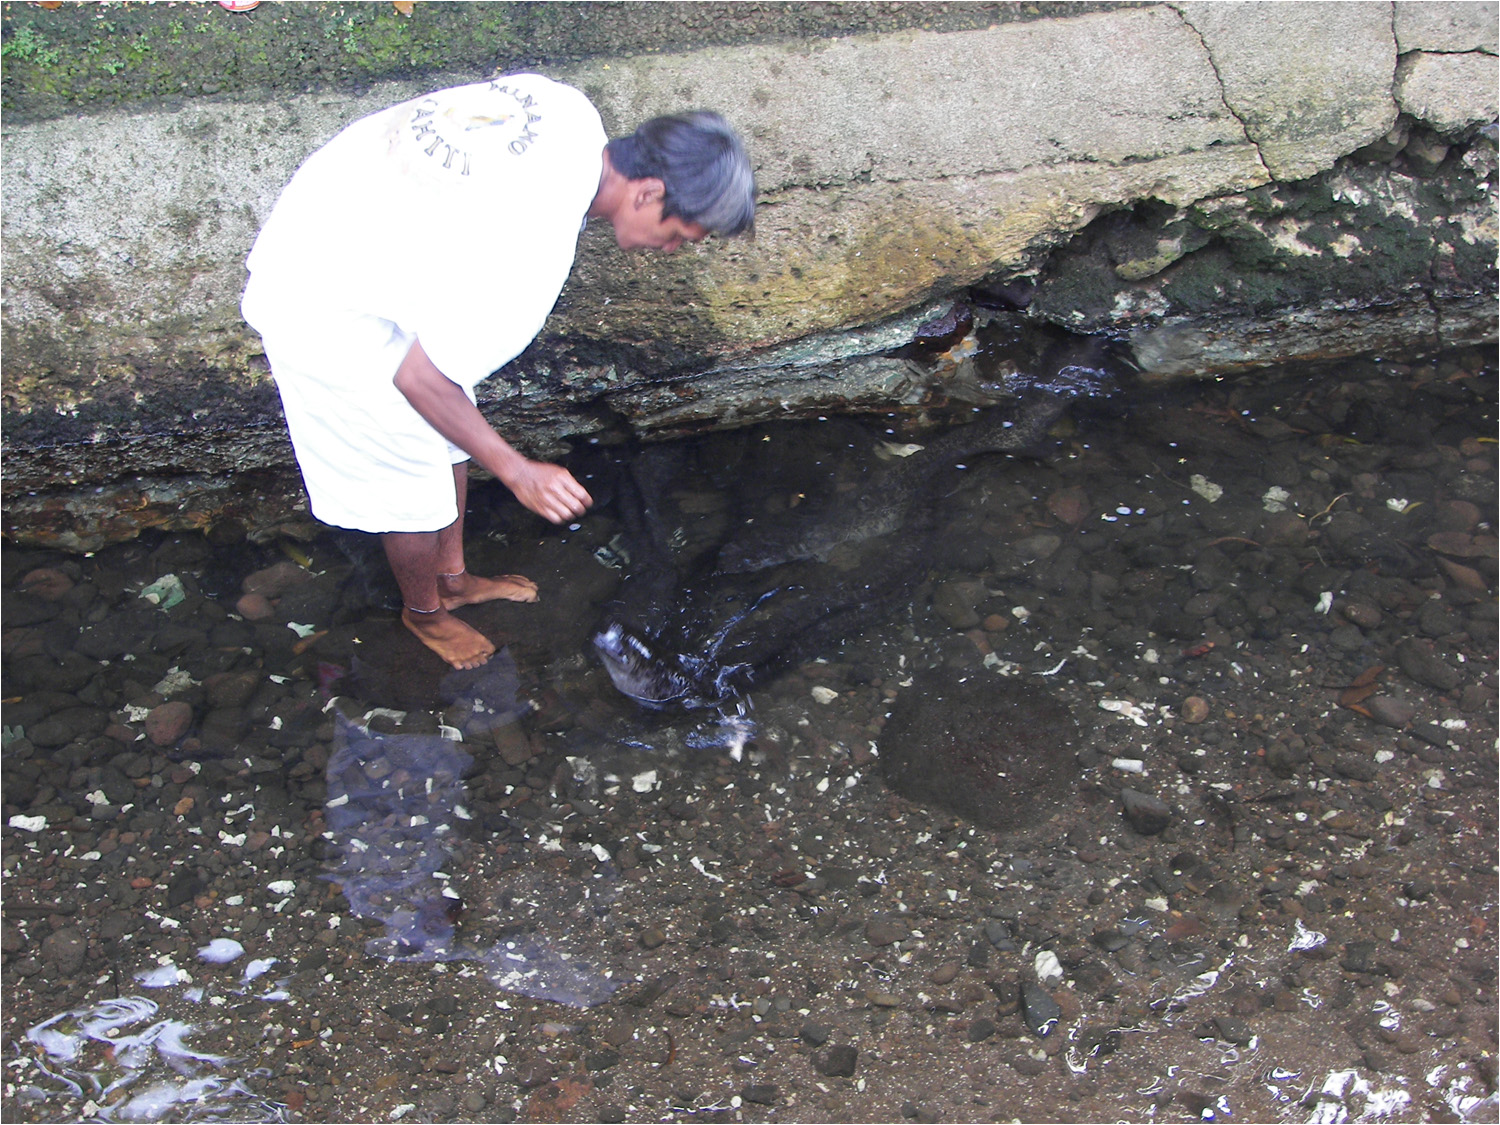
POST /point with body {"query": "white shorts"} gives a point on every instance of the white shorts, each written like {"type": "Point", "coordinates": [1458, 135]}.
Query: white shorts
{"type": "Point", "coordinates": [370, 462]}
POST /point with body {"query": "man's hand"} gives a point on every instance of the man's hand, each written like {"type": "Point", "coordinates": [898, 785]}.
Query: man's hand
{"type": "Point", "coordinates": [548, 490]}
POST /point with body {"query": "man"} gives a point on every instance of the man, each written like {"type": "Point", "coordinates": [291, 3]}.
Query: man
{"type": "Point", "coordinates": [420, 250]}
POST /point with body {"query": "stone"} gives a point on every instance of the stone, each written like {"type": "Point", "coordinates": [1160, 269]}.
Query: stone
{"type": "Point", "coordinates": [255, 607]}
{"type": "Point", "coordinates": [276, 579]}
{"type": "Point", "coordinates": [760, 1093]}
{"type": "Point", "coordinates": [47, 583]}
{"type": "Point", "coordinates": [944, 973]}
{"type": "Point", "coordinates": [882, 931]}
{"type": "Point", "coordinates": [64, 951]}
{"type": "Point", "coordinates": [1389, 711]}
{"type": "Point", "coordinates": [815, 1034]}
{"type": "Point", "coordinates": [1417, 659]}
{"type": "Point", "coordinates": [65, 726]}
{"type": "Point", "coordinates": [837, 1062]}
{"type": "Point", "coordinates": [652, 937]}
{"type": "Point", "coordinates": [1194, 709]}
{"type": "Point", "coordinates": [1450, 92]}
{"type": "Point", "coordinates": [1464, 578]}
{"type": "Point", "coordinates": [1039, 1010]}
{"type": "Point", "coordinates": [167, 723]}
{"type": "Point", "coordinates": [1069, 505]}
{"type": "Point", "coordinates": [1233, 1030]}
{"type": "Point", "coordinates": [955, 603]}
{"type": "Point", "coordinates": [1034, 548]}
{"type": "Point", "coordinates": [230, 689]}
{"type": "Point", "coordinates": [1146, 814]}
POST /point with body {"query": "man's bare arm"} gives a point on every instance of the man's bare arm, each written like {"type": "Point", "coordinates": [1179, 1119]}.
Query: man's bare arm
{"type": "Point", "coordinates": [548, 490]}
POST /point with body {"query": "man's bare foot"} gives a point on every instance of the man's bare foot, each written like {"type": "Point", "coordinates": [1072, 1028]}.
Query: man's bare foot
{"type": "Point", "coordinates": [459, 644]}
{"type": "Point", "coordinates": [470, 589]}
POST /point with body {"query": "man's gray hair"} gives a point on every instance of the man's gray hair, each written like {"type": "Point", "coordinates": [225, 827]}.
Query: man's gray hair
{"type": "Point", "coordinates": [701, 162]}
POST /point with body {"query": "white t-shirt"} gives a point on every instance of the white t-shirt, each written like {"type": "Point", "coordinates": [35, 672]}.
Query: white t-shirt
{"type": "Point", "coordinates": [455, 215]}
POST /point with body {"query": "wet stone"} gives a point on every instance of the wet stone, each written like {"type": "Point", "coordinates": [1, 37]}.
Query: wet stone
{"type": "Point", "coordinates": [1364, 614]}
{"type": "Point", "coordinates": [64, 951]}
{"type": "Point", "coordinates": [1038, 1009]}
{"type": "Point", "coordinates": [1389, 711]}
{"type": "Point", "coordinates": [67, 726]}
{"type": "Point", "coordinates": [652, 937]}
{"type": "Point", "coordinates": [1356, 766]}
{"type": "Point", "coordinates": [980, 1030]}
{"type": "Point", "coordinates": [1418, 661]}
{"type": "Point", "coordinates": [882, 931]}
{"type": "Point", "coordinates": [815, 1034]}
{"type": "Point", "coordinates": [1233, 1030]}
{"type": "Point", "coordinates": [998, 934]}
{"type": "Point", "coordinates": [1435, 619]}
{"type": "Point", "coordinates": [944, 973]}
{"type": "Point", "coordinates": [761, 1093]}
{"type": "Point", "coordinates": [166, 724]}
{"type": "Point", "coordinates": [955, 603]}
{"type": "Point", "coordinates": [1146, 814]}
{"type": "Point", "coordinates": [837, 1062]}
{"type": "Point", "coordinates": [275, 580]}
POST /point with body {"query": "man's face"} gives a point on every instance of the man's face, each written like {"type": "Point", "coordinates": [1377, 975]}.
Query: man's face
{"type": "Point", "coordinates": [641, 227]}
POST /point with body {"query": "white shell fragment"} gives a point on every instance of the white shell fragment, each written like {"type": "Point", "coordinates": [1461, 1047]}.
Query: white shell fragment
{"type": "Point", "coordinates": [1205, 487]}
{"type": "Point", "coordinates": [1125, 709]}
{"type": "Point", "coordinates": [644, 782]}
{"type": "Point", "coordinates": [824, 695]}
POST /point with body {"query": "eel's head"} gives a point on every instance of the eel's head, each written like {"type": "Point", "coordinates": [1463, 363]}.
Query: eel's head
{"type": "Point", "coordinates": [640, 670]}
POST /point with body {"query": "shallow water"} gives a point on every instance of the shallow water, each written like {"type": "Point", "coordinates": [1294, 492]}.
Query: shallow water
{"type": "Point", "coordinates": [654, 908]}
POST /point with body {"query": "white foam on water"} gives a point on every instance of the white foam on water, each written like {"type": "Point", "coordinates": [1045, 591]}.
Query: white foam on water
{"type": "Point", "coordinates": [221, 951]}
{"type": "Point", "coordinates": [163, 976]}
{"type": "Point", "coordinates": [97, 1053]}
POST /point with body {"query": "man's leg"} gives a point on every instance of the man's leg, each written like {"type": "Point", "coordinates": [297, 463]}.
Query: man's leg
{"type": "Point", "coordinates": [455, 584]}
{"type": "Point", "coordinates": [414, 556]}
{"type": "Point", "coordinates": [429, 568]}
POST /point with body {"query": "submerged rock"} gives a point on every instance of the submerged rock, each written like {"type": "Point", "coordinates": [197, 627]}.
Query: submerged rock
{"type": "Point", "coordinates": [1148, 815]}
{"type": "Point", "coordinates": [994, 751]}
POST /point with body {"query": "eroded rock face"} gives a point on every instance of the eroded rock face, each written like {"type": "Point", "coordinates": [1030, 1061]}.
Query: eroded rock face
{"type": "Point", "coordinates": [1221, 191]}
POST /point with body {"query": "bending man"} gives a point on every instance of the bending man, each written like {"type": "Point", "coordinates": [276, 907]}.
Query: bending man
{"type": "Point", "coordinates": [422, 249]}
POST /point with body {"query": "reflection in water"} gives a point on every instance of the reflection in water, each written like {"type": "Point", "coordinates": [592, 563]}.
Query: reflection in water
{"type": "Point", "coordinates": [395, 806]}
{"type": "Point", "coordinates": [89, 1053]}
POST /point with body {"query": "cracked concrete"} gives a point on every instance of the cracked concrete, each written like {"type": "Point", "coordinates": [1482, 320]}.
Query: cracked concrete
{"type": "Point", "coordinates": [1213, 63]}
{"type": "Point", "coordinates": [895, 170]}
{"type": "Point", "coordinates": [1323, 95]}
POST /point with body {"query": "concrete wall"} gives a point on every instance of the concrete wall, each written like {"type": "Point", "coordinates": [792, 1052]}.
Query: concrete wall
{"type": "Point", "coordinates": [895, 170]}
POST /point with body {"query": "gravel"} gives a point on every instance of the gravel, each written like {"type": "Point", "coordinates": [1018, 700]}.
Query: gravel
{"type": "Point", "coordinates": [1264, 889]}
